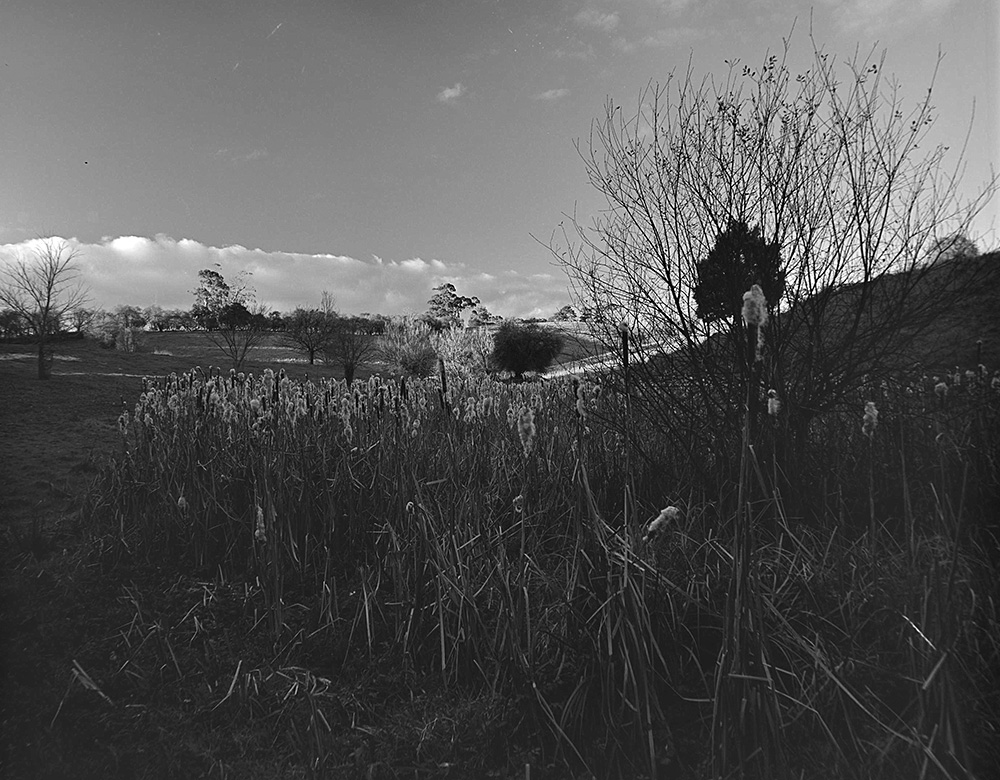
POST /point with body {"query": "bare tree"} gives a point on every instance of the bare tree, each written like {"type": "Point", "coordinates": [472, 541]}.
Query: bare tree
{"type": "Point", "coordinates": [43, 289]}
{"type": "Point", "coordinates": [241, 328]}
{"type": "Point", "coordinates": [233, 320]}
{"type": "Point", "coordinates": [351, 345]}
{"type": "Point", "coordinates": [312, 331]}
{"type": "Point", "coordinates": [830, 168]}
{"type": "Point", "coordinates": [82, 318]}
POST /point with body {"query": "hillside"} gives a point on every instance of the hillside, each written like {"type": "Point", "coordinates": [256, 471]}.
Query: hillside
{"type": "Point", "coordinates": [954, 337]}
{"type": "Point", "coordinates": [953, 308]}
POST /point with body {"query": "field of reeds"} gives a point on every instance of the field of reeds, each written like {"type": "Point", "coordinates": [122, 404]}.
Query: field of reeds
{"type": "Point", "coordinates": [549, 584]}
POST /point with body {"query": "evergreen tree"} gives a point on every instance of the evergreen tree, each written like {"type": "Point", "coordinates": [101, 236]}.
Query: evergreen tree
{"type": "Point", "coordinates": [739, 259]}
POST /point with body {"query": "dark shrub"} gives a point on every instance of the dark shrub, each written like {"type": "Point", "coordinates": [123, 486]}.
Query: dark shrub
{"type": "Point", "coordinates": [521, 347]}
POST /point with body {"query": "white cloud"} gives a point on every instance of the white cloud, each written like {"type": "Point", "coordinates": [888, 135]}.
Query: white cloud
{"type": "Point", "coordinates": [551, 94]}
{"type": "Point", "coordinates": [134, 246]}
{"type": "Point", "coordinates": [451, 95]}
{"type": "Point", "coordinates": [414, 264]}
{"type": "Point", "coordinates": [597, 20]}
{"type": "Point", "coordinates": [140, 271]}
{"type": "Point", "coordinates": [873, 14]}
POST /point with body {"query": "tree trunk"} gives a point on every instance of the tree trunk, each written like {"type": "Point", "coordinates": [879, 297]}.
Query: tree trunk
{"type": "Point", "coordinates": [44, 360]}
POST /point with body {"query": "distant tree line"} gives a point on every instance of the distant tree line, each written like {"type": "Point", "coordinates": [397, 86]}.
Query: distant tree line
{"type": "Point", "coordinates": [455, 330]}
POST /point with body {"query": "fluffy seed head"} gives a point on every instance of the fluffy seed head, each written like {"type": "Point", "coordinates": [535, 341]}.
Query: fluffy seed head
{"type": "Point", "coordinates": [260, 534]}
{"type": "Point", "coordinates": [526, 429]}
{"type": "Point", "coordinates": [755, 307]}
{"type": "Point", "coordinates": [870, 420]}
{"type": "Point", "coordinates": [773, 403]}
{"type": "Point", "coordinates": [660, 522]}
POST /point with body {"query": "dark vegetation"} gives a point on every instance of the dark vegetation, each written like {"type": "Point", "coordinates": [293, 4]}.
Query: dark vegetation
{"type": "Point", "coordinates": [521, 348]}
{"type": "Point", "coordinates": [131, 651]}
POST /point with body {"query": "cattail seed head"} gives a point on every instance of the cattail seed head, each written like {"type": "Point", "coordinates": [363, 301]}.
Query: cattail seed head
{"type": "Point", "coordinates": [755, 307]}
{"type": "Point", "coordinates": [660, 522]}
{"type": "Point", "coordinates": [526, 429]}
{"type": "Point", "coordinates": [260, 534]}
{"type": "Point", "coordinates": [773, 403]}
{"type": "Point", "coordinates": [870, 420]}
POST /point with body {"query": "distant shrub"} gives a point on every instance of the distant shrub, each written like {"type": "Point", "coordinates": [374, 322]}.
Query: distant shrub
{"type": "Point", "coordinates": [131, 340]}
{"type": "Point", "coordinates": [418, 360]}
{"type": "Point", "coordinates": [108, 331]}
{"type": "Point", "coordinates": [405, 346]}
{"type": "Point", "coordinates": [519, 348]}
{"type": "Point", "coordinates": [467, 350]}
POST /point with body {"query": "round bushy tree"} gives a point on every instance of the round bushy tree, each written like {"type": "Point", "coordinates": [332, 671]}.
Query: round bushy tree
{"type": "Point", "coordinates": [519, 347]}
{"type": "Point", "coordinates": [740, 258]}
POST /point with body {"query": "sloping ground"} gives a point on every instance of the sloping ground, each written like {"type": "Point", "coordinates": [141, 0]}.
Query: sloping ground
{"type": "Point", "coordinates": [933, 316]}
{"type": "Point", "coordinates": [958, 300]}
{"type": "Point", "coordinates": [969, 332]}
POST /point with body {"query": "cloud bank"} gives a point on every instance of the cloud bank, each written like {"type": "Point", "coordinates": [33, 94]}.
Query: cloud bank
{"type": "Point", "coordinates": [141, 271]}
{"type": "Point", "coordinates": [451, 95]}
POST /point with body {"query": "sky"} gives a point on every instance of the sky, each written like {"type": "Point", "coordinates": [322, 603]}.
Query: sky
{"type": "Point", "coordinates": [378, 148]}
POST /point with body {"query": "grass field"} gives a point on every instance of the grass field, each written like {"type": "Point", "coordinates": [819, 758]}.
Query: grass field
{"type": "Point", "coordinates": [270, 578]}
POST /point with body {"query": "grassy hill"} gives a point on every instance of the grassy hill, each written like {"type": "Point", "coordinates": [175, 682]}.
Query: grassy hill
{"type": "Point", "coordinates": [944, 316]}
